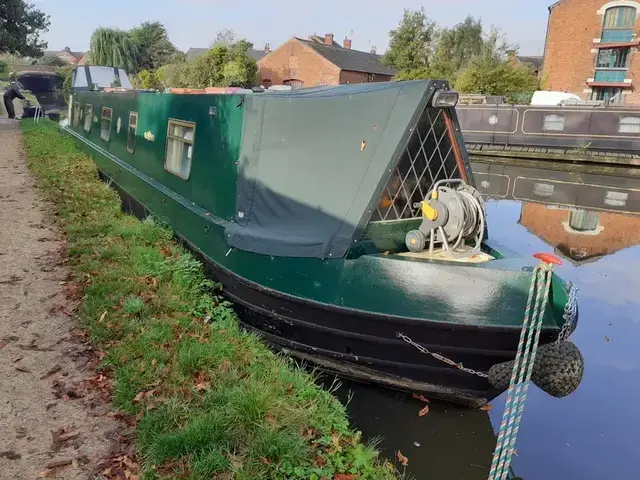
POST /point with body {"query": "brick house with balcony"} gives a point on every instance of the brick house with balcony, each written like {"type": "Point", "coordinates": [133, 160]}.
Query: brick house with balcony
{"type": "Point", "coordinates": [591, 49]}
{"type": "Point", "coordinates": [320, 61]}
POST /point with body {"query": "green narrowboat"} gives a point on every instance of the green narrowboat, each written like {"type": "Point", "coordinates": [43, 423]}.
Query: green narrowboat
{"type": "Point", "coordinates": [342, 222]}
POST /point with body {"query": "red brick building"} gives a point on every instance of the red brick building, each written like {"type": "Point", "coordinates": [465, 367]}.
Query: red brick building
{"type": "Point", "coordinates": [72, 58]}
{"type": "Point", "coordinates": [591, 49]}
{"type": "Point", "coordinates": [320, 61]}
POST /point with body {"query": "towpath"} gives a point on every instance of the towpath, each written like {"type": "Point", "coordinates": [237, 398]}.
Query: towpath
{"type": "Point", "coordinates": [53, 418]}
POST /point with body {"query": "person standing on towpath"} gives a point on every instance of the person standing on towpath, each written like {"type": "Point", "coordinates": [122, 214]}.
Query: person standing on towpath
{"type": "Point", "coordinates": [9, 96]}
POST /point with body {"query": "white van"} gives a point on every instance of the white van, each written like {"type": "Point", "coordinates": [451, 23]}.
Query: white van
{"type": "Point", "coordinates": [548, 97]}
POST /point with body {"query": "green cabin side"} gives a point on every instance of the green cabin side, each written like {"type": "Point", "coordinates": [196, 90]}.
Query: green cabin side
{"type": "Point", "coordinates": [128, 135]}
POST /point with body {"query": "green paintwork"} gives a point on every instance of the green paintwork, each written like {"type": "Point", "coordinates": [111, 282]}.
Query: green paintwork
{"type": "Point", "coordinates": [199, 208]}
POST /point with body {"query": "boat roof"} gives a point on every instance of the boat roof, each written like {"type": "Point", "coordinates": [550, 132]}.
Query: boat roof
{"type": "Point", "coordinates": [315, 162]}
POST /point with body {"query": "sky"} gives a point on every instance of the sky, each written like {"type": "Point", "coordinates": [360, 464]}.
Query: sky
{"type": "Point", "coordinates": [194, 23]}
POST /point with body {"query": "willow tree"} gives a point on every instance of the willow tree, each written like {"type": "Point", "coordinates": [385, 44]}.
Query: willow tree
{"type": "Point", "coordinates": [113, 48]}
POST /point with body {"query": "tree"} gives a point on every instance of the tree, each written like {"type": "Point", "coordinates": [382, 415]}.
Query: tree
{"type": "Point", "coordinates": [498, 77]}
{"type": "Point", "coordinates": [177, 57]}
{"type": "Point", "coordinates": [148, 79]}
{"type": "Point", "coordinates": [4, 70]}
{"type": "Point", "coordinates": [411, 44]}
{"type": "Point", "coordinates": [223, 66]}
{"type": "Point", "coordinates": [173, 75]}
{"type": "Point", "coordinates": [51, 60]}
{"type": "Point", "coordinates": [66, 78]}
{"type": "Point", "coordinates": [20, 27]}
{"type": "Point", "coordinates": [225, 38]}
{"type": "Point", "coordinates": [113, 48]}
{"type": "Point", "coordinates": [457, 46]}
{"type": "Point", "coordinates": [153, 44]}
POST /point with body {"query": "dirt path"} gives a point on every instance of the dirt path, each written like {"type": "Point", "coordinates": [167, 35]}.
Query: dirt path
{"type": "Point", "coordinates": [46, 413]}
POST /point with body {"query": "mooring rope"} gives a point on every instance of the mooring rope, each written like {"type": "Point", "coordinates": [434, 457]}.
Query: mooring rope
{"type": "Point", "coordinates": [522, 371]}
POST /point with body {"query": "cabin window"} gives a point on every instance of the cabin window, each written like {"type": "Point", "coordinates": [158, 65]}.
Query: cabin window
{"type": "Point", "coordinates": [553, 123]}
{"type": "Point", "coordinates": [76, 114]}
{"type": "Point", "coordinates": [105, 126]}
{"type": "Point", "coordinates": [180, 136]}
{"type": "Point", "coordinates": [629, 125]}
{"type": "Point", "coordinates": [88, 117]}
{"type": "Point", "coordinates": [133, 130]}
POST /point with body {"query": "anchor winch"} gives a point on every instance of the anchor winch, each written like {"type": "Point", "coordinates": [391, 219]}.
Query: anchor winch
{"type": "Point", "coordinates": [453, 216]}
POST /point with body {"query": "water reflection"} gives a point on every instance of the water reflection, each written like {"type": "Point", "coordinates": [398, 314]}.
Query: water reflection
{"type": "Point", "coordinates": [593, 222]}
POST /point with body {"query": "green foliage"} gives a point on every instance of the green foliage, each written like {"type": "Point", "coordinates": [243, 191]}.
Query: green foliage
{"type": "Point", "coordinates": [498, 78]}
{"type": "Point", "coordinates": [148, 79]}
{"type": "Point", "coordinates": [20, 27]}
{"type": "Point", "coordinates": [66, 77]}
{"type": "Point", "coordinates": [224, 38]}
{"type": "Point", "coordinates": [173, 75]}
{"type": "Point", "coordinates": [223, 66]}
{"type": "Point", "coordinates": [51, 60]}
{"type": "Point", "coordinates": [4, 70]}
{"type": "Point", "coordinates": [113, 48]}
{"type": "Point", "coordinates": [456, 47]}
{"type": "Point", "coordinates": [473, 60]}
{"type": "Point", "coordinates": [153, 44]}
{"type": "Point", "coordinates": [177, 57]}
{"type": "Point", "coordinates": [412, 43]}
{"type": "Point", "coordinates": [210, 400]}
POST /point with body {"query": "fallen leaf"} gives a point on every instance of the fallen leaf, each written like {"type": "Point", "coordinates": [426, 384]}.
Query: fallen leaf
{"type": "Point", "coordinates": [265, 460]}
{"type": "Point", "coordinates": [203, 386]}
{"type": "Point", "coordinates": [47, 473]}
{"type": "Point", "coordinates": [486, 407]}
{"type": "Point", "coordinates": [424, 411]}
{"type": "Point", "coordinates": [154, 362]}
{"type": "Point", "coordinates": [421, 398]}
{"type": "Point", "coordinates": [335, 439]}
{"type": "Point", "coordinates": [344, 476]}
{"type": "Point", "coordinates": [404, 461]}
{"type": "Point", "coordinates": [102, 317]}
{"type": "Point", "coordinates": [271, 420]}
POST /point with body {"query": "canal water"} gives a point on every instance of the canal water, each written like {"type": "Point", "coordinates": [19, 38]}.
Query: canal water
{"type": "Point", "coordinates": [592, 222]}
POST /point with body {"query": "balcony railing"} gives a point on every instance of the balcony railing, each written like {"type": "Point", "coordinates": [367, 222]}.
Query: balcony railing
{"type": "Point", "coordinates": [616, 36]}
{"type": "Point", "coordinates": [610, 75]}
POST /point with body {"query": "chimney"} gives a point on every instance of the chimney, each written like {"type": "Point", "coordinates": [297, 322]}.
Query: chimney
{"type": "Point", "coordinates": [373, 49]}
{"type": "Point", "coordinates": [347, 43]}
{"type": "Point", "coordinates": [328, 38]}
{"type": "Point", "coordinates": [267, 48]}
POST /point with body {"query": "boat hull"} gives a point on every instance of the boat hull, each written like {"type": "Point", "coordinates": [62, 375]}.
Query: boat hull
{"type": "Point", "coordinates": [362, 346]}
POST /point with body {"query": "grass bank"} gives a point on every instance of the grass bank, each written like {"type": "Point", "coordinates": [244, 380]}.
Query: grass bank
{"type": "Point", "coordinates": [210, 400]}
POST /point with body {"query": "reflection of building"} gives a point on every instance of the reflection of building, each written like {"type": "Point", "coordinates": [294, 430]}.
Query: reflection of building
{"type": "Point", "coordinates": [581, 235]}
{"type": "Point", "coordinates": [591, 49]}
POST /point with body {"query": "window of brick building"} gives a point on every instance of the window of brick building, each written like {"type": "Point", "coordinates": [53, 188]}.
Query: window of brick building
{"type": "Point", "coordinates": [607, 94]}
{"type": "Point", "coordinates": [613, 58]}
{"type": "Point", "coordinates": [295, 84]}
{"type": "Point", "coordinates": [619, 23]}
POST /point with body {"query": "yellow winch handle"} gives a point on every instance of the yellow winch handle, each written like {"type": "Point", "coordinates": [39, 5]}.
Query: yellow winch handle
{"type": "Point", "coordinates": [428, 211]}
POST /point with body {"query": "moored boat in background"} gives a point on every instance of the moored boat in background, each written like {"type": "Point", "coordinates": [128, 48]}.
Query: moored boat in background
{"type": "Point", "coordinates": [343, 222]}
